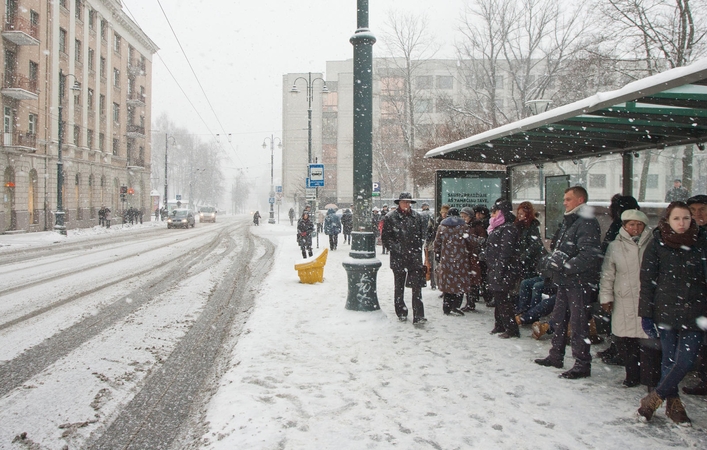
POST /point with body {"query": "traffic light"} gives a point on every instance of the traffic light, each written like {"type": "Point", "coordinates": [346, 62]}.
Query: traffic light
{"type": "Point", "coordinates": [123, 192]}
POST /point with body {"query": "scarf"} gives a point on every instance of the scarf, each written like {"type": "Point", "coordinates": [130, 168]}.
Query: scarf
{"type": "Point", "coordinates": [675, 240]}
{"type": "Point", "coordinates": [496, 222]}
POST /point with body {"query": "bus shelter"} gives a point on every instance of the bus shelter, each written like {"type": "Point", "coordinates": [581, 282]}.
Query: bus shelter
{"type": "Point", "coordinates": [663, 110]}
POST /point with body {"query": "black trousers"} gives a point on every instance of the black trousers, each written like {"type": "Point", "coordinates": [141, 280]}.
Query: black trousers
{"type": "Point", "coordinates": [333, 241]}
{"type": "Point", "coordinates": [503, 314]}
{"type": "Point", "coordinates": [418, 309]}
{"type": "Point", "coordinates": [451, 301]}
{"type": "Point", "coordinates": [572, 307]}
{"type": "Point", "coordinates": [642, 359]}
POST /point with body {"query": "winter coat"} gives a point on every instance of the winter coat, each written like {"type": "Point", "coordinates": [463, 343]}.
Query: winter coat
{"type": "Point", "coordinates": [621, 282]}
{"type": "Point", "coordinates": [501, 253]}
{"type": "Point", "coordinates": [332, 223]}
{"type": "Point", "coordinates": [576, 251]}
{"type": "Point", "coordinates": [305, 228]}
{"type": "Point", "coordinates": [347, 222]}
{"type": "Point", "coordinates": [531, 248]}
{"type": "Point", "coordinates": [453, 247]}
{"type": "Point", "coordinates": [674, 282]}
{"type": "Point", "coordinates": [403, 235]}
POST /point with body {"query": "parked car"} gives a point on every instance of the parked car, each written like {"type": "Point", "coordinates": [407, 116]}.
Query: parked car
{"type": "Point", "coordinates": [180, 218]}
{"type": "Point", "coordinates": [207, 214]}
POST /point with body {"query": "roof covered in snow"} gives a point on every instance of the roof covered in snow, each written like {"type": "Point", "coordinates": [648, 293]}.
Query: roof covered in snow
{"type": "Point", "coordinates": [663, 110]}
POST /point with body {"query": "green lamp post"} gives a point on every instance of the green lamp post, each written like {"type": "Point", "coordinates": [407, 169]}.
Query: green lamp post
{"type": "Point", "coordinates": [362, 265]}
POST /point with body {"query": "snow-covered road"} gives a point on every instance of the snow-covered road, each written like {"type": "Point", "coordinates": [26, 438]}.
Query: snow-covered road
{"type": "Point", "coordinates": [109, 341]}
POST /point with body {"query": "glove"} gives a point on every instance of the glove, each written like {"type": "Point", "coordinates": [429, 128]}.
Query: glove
{"type": "Point", "coordinates": [557, 261]}
{"type": "Point", "coordinates": [648, 326]}
{"type": "Point", "coordinates": [437, 257]}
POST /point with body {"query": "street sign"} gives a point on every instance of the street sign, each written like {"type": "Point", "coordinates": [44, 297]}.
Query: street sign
{"type": "Point", "coordinates": [271, 200]}
{"type": "Point", "coordinates": [311, 193]}
{"type": "Point", "coordinates": [278, 189]}
{"type": "Point", "coordinates": [376, 189]}
{"type": "Point", "coordinates": [178, 197]}
{"type": "Point", "coordinates": [316, 175]}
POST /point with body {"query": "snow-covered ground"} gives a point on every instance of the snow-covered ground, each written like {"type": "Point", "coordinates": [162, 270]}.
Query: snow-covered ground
{"type": "Point", "coordinates": [308, 373]}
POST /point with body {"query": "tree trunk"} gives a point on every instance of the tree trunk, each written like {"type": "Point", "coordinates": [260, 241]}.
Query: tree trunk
{"type": "Point", "coordinates": [644, 176]}
{"type": "Point", "coordinates": [687, 158]}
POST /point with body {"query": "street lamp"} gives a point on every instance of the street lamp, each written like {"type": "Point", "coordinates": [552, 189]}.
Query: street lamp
{"type": "Point", "coordinates": [59, 225]}
{"type": "Point", "coordinates": [271, 200]}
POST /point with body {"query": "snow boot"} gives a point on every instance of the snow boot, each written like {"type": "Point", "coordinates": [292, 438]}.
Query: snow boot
{"type": "Point", "coordinates": [675, 410]}
{"type": "Point", "coordinates": [649, 404]}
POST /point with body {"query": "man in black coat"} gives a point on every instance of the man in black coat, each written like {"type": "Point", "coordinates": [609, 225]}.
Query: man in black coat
{"type": "Point", "coordinates": [575, 263]}
{"type": "Point", "coordinates": [404, 232]}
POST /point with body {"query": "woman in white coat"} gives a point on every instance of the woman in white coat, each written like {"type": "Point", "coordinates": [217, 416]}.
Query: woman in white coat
{"type": "Point", "coordinates": [619, 292]}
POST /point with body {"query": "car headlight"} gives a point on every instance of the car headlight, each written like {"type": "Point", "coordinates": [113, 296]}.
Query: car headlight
{"type": "Point", "coordinates": [169, 220]}
{"type": "Point", "coordinates": [184, 220]}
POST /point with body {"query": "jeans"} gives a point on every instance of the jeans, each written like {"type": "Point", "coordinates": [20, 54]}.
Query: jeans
{"type": "Point", "coordinates": [680, 350]}
{"type": "Point", "coordinates": [542, 309]}
{"type": "Point", "coordinates": [530, 293]}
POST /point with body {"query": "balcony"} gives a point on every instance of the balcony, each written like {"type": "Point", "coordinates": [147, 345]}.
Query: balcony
{"type": "Point", "coordinates": [19, 87]}
{"type": "Point", "coordinates": [136, 99]}
{"type": "Point", "coordinates": [136, 67]}
{"type": "Point", "coordinates": [136, 131]}
{"type": "Point", "coordinates": [20, 31]}
{"type": "Point", "coordinates": [21, 141]}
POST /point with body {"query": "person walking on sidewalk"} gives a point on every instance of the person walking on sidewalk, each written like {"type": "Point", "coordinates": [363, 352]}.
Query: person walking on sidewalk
{"type": "Point", "coordinates": [575, 263]}
{"type": "Point", "coordinates": [291, 215]}
{"type": "Point", "coordinates": [305, 228]}
{"type": "Point", "coordinates": [332, 228]}
{"type": "Point", "coordinates": [403, 234]}
{"type": "Point", "coordinates": [347, 225]}
{"type": "Point", "coordinates": [674, 298]}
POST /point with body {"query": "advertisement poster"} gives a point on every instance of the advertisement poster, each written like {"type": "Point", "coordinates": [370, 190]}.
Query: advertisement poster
{"type": "Point", "coordinates": [460, 188]}
{"type": "Point", "coordinates": [554, 209]}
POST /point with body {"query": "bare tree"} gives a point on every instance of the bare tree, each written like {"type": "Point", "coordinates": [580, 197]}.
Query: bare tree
{"type": "Point", "coordinates": [662, 33]}
{"type": "Point", "coordinates": [408, 45]}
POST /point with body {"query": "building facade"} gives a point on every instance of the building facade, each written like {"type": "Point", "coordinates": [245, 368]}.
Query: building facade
{"type": "Point", "coordinates": [86, 61]}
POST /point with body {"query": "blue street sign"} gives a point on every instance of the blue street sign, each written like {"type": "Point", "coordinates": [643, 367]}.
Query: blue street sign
{"type": "Point", "coordinates": [271, 200]}
{"type": "Point", "coordinates": [316, 175]}
{"type": "Point", "coordinates": [278, 189]}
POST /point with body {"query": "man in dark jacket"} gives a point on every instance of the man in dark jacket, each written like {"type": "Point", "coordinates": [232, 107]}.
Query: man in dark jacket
{"type": "Point", "coordinates": [575, 263]}
{"type": "Point", "coordinates": [403, 234]}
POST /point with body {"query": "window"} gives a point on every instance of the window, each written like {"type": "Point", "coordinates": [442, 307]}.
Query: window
{"type": "Point", "coordinates": [91, 56]}
{"type": "Point", "coordinates": [77, 98]}
{"type": "Point", "coordinates": [77, 135]}
{"type": "Point", "coordinates": [423, 82]}
{"type": "Point", "coordinates": [34, 18]}
{"type": "Point", "coordinates": [597, 180]}
{"type": "Point", "coordinates": [77, 50]}
{"type": "Point", "coordinates": [89, 99]}
{"type": "Point", "coordinates": [104, 27]}
{"type": "Point", "coordinates": [63, 3]}
{"type": "Point", "coordinates": [62, 40]}
{"type": "Point", "coordinates": [116, 146]}
{"type": "Point", "coordinates": [116, 43]}
{"type": "Point", "coordinates": [423, 105]}
{"type": "Point", "coordinates": [91, 19]}
{"type": "Point", "coordinates": [445, 82]}
{"type": "Point", "coordinates": [116, 77]}
{"type": "Point", "coordinates": [652, 181]}
{"type": "Point", "coordinates": [101, 145]}
{"type": "Point", "coordinates": [116, 113]}
{"type": "Point", "coordinates": [62, 85]}
{"type": "Point", "coordinates": [89, 139]}
{"type": "Point", "coordinates": [33, 72]}
{"type": "Point", "coordinates": [32, 124]}
{"type": "Point", "coordinates": [102, 105]}
{"type": "Point", "coordinates": [79, 9]}
{"type": "Point", "coordinates": [131, 86]}
{"type": "Point", "coordinates": [102, 68]}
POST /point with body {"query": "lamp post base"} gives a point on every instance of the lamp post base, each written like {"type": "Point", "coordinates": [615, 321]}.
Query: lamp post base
{"type": "Point", "coordinates": [59, 226]}
{"type": "Point", "coordinates": [362, 271]}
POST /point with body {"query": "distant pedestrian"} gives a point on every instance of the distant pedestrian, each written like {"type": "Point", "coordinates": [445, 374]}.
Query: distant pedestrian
{"type": "Point", "coordinates": [320, 222]}
{"type": "Point", "coordinates": [305, 228]}
{"type": "Point", "coordinates": [677, 193]}
{"type": "Point", "coordinates": [332, 228]}
{"type": "Point", "coordinates": [384, 211]}
{"type": "Point", "coordinates": [347, 225]}
{"type": "Point", "coordinates": [291, 215]}
{"type": "Point", "coordinates": [106, 220]}
{"type": "Point", "coordinates": [157, 214]}
{"type": "Point", "coordinates": [256, 218]}
{"type": "Point", "coordinates": [102, 216]}
{"type": "Point", "coordinates": [403, 234]}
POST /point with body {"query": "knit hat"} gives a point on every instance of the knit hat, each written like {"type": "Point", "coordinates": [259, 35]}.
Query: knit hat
{"type": "Point", "coordinates": [453, 212]}
{"type": "Point", "coordinates": [468, 211]}
{"type": "Point", "coordinates": [502, 205]}
{"type": "Point", "coordinates": [634, 214]}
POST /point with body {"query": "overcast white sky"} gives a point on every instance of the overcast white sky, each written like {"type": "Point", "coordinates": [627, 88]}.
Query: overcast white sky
{"type": "Point", "coordinates": [240, 50]}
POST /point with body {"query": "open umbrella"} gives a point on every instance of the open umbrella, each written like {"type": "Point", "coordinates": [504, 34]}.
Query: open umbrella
{"type": "Point", "coordinates": [331, 206]}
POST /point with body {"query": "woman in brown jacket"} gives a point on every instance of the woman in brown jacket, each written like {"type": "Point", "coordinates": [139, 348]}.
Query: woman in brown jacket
{"type": "Point", "coordinates": [453, 249]}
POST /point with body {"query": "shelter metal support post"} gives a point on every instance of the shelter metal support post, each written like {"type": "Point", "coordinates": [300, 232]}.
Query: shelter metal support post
{"type": "Point", "coordinates": [627, 173]}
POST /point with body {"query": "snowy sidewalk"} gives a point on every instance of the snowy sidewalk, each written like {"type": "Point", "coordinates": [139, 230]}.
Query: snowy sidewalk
{"type": "Point", "coordinates": [307, 373]}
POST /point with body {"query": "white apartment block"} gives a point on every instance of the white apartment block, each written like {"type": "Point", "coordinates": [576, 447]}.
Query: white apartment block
{"type": "Point", "coordinates": [88, 55]}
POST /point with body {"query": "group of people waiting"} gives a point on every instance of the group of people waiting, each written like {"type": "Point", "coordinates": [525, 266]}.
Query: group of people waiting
{"type": "Point", "coordinates": [332, 226]}
{"type": "Point", "coordinates": [652, 283]}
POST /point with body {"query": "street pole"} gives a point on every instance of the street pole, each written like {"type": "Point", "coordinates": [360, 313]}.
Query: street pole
{"type": "Point", "coordinates": [166, 144]}
{"type": "Point", "coordinates": [59, 226]}
{"type": "Point", "coordinates": [271, 199]}
{"type": "Point", "coordinates": [362, 266]}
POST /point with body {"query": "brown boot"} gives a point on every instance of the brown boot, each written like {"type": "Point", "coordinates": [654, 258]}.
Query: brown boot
{"type": "Point", "coordinates": [675, 410]}
{"type": "Point", "coordinates": [649, 404]}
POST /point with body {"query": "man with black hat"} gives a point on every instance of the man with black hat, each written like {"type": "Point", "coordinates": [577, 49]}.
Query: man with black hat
{"type": "Point", "coordinates": [403, 234]}
{"type": "Point", "coordinates": [575, 263]}
{"type": "Point", "coordinates": [698, 209]}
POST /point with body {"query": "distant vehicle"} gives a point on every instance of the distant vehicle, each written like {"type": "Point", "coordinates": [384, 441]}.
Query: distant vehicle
{"type": "Point", "coordinates": [180, 218]}
{"type": "Point", "coordinates": [207, 214]}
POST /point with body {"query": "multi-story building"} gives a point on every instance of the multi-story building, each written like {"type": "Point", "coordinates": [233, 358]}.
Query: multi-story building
{"type": "Point", "coordinates": [435, 85]}
{"type": "Point", "coordinates": [88, 63]}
